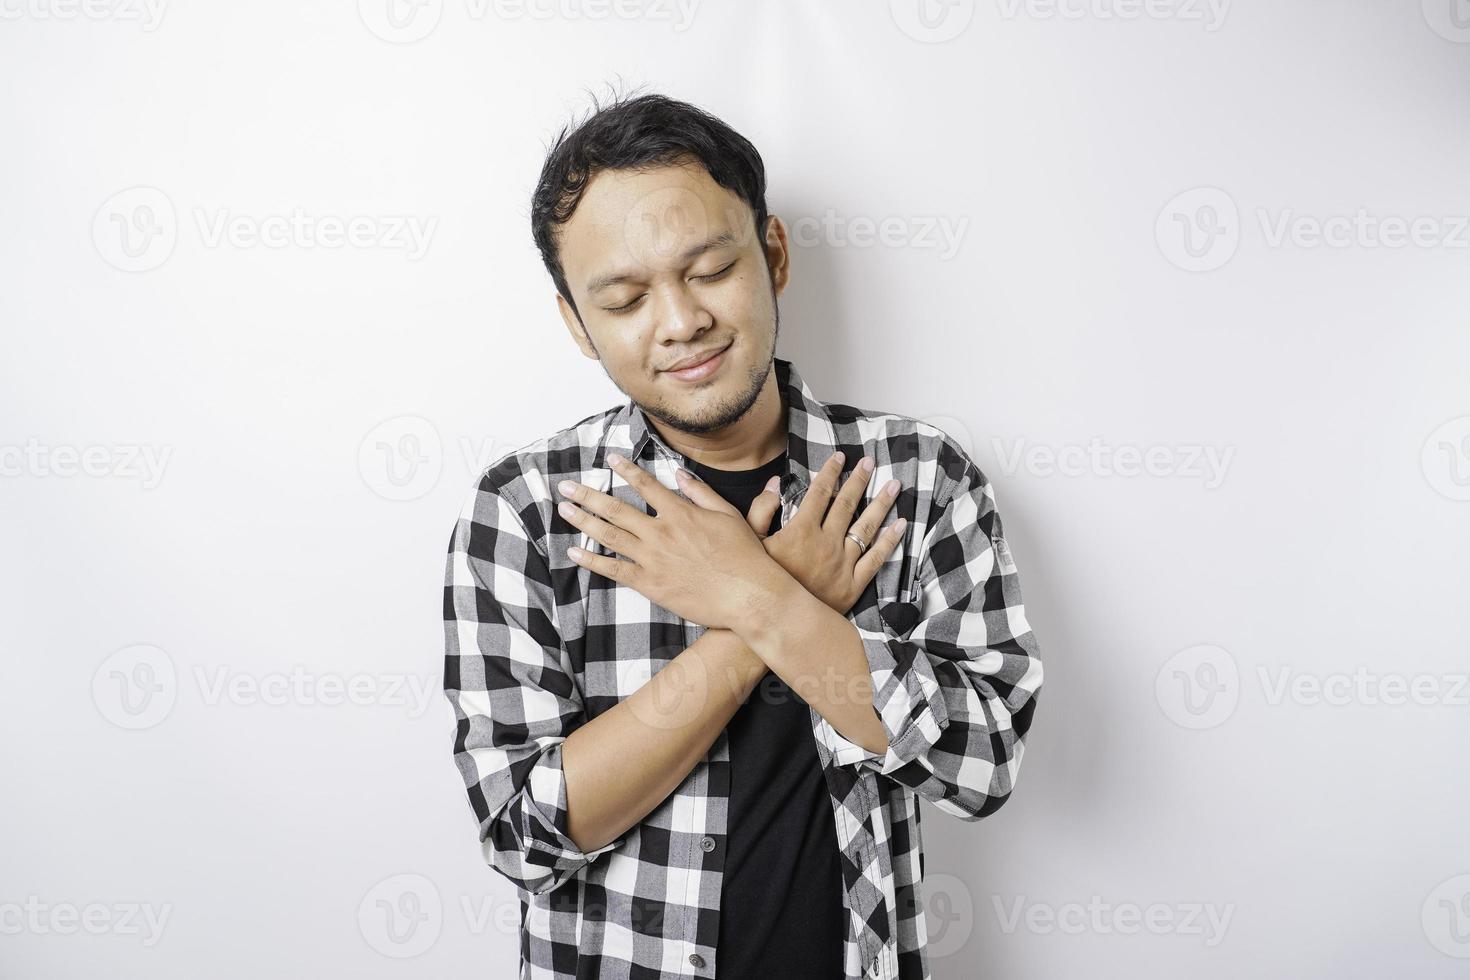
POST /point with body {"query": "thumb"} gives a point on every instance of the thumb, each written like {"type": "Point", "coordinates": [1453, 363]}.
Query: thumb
{"type": "Point", "coordinates": [764, 507]}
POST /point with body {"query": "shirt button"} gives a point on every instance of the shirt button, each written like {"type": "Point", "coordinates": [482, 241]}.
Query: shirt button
{"type": "Point", "coordinates": [707, 844]}
{"type": "Point", "coordinates": [696, 961]}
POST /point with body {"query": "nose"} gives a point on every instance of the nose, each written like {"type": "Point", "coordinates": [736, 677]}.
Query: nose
{"type": "Point", "coordinates": [683, 317]}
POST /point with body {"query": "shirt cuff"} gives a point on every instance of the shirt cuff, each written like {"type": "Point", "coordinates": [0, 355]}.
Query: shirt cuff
{"type": "Point", "coordinates": [546, 798]}
{"type": "Point", "coordinates": [908, 702]}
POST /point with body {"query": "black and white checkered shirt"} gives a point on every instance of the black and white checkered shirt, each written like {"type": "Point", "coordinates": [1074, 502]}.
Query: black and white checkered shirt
{"type": "Point", "coordinates": [537, 645]}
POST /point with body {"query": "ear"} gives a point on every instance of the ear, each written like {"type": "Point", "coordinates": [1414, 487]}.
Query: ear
{"type": "Point", "coordinates": [778, 252]}
{"type": "Point", "coordinates": [574, 327]}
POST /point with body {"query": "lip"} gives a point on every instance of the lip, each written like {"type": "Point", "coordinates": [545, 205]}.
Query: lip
{"type": "Point", "coordinates": [701, 370]}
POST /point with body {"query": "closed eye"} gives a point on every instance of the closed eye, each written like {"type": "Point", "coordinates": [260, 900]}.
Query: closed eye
{"type": "Point", "coordinates": [625, 307]}
{"type": "Point", "coordinates": [712, 277]}
{"type": "Point", "coordinates": [717, 275]}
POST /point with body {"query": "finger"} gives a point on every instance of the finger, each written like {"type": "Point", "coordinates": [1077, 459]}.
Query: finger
{"type": "Point", "coordinates": [814, 504]}
{"type": "Point", "coordinates": [611, 536]}
{"type": "Point", "coordinates": [605, 506]}
{"type": "Point", "coordinates": [764, 507]}
{"type": "Point", "coordinates": [867, 566]}
{"type": "Point", "coordinates": [839, 515]}
{"type": "Point", "coordinates": [645, 483]}
{"type": "Point", "coordinates": [871, 519]}
{"type": "Point", "coordinates": [605, 565]}
{"type": "Point", "coordinates": [702, 493]}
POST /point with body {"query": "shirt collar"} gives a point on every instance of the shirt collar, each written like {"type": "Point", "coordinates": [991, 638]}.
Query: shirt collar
{"type": "Point", "coordinates": [810, 436]}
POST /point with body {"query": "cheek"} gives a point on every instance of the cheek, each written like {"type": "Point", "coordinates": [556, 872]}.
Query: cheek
{"type": "Point", "coordinates": [742, 301]}
{"type": "Point", "coordinates": [622, 349]}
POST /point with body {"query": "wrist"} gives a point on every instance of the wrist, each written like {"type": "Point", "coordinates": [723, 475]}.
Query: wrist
{"type": "Point", "coordinates": [740, 665]}
{"type": "Point", "coordinates": [778, 598]}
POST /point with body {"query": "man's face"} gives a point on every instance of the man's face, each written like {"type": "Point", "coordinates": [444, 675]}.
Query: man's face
{"type": "Point", "coordinates": [665, 265]}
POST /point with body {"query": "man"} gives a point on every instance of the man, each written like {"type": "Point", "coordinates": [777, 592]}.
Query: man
{"type": "Point", "coordinates": [696, 712]}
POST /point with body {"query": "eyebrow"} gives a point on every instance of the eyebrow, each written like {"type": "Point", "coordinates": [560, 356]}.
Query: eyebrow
{"type": "Point", "coordinates": [613, 279]}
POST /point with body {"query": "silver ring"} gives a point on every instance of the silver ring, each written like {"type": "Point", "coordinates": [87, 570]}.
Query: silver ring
{"type": "Point", "coordinates": [860, 542]}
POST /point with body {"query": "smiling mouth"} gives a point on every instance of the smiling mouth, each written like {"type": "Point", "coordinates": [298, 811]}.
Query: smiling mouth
{"type": "Point", "coordinates": [703, 369]}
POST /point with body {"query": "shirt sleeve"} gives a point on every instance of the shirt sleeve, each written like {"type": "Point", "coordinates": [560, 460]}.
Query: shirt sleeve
{"type": "Point", "coordinates": [508, 679]}
{"type": "Point", "coordinates": [956, 693]}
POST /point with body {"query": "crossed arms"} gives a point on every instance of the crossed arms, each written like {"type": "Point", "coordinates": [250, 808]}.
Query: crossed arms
{"type": "Point", "coordinates": [942, 709]}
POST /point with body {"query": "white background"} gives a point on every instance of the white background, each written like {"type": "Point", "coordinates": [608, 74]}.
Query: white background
{"type": "Point", "coordinates": [315, 415]}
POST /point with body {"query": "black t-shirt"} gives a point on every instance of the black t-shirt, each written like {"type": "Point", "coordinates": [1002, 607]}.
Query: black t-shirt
{"type": "Point", "coordinates": [782, 912]}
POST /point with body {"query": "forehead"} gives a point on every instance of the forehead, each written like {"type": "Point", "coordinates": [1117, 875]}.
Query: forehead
{"type": "Point", "coordinates": [644, 220]}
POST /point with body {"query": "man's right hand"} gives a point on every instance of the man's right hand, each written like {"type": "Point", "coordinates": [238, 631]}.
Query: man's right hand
{"type": "Point", "coordinates": [814, 547]}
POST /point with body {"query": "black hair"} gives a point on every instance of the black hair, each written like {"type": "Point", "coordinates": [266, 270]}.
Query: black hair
{"type": "Point", "coordinates": [635, 133]}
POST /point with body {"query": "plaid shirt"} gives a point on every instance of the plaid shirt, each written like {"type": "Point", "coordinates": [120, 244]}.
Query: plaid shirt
{"type": "Point", "coordinates": [537, 645]}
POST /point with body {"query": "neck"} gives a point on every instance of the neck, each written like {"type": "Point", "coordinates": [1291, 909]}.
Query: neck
{"type": "Point", "coordinates": [754, 439]}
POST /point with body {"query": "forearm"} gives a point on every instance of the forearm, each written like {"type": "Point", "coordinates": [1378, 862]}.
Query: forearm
{"type": "Point", "coordinates": [625, 762]}
{"type": "Point", "coordinates": [819, 653]}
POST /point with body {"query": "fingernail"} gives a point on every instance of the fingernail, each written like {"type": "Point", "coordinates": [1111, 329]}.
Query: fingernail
{"type": "Point", "coordinates": [614, 459]}
{"type": "Point", "coordinates": [567, 487]}
{"type": "Point", "coordinates": [773, 485]}
{"type": "Point", "coordinates": [867, 464]}
{"type": "Point", "coordinates": [891, 487]}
